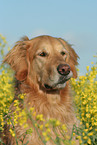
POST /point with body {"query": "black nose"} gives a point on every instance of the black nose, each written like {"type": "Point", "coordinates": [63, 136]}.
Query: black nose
{"type": "Point", "coordinates": [63, 69]}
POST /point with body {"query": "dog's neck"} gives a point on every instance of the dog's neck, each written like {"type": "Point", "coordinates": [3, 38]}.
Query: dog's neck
{"type": "Point", "coordinates": [54, 97]}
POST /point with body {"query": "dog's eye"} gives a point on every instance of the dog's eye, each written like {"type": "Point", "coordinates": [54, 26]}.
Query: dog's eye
{"type": "Point", "coordinates": [43, 54]}
{"type": "Point", "coordinates": [63, 53]}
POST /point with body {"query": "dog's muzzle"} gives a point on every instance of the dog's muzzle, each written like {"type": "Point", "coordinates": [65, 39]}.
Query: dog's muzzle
{"type": "Point", "coordinates": [65, 74]}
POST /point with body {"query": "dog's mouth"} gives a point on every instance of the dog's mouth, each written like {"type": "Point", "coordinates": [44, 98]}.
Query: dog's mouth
{"type": "Point", "coordinates": [62, 80]}
{"type": "Point", "coordinates": [48, 87]}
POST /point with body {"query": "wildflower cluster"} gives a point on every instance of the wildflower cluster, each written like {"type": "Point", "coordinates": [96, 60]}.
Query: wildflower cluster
{"type": "Point", "coordinates": [6, 91]}
{"type": "Point", "coordinates": [6, 95]}
{"type": "Point", "coordinates": [85, 88]}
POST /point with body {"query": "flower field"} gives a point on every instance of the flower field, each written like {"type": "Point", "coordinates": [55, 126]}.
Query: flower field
{"type": "Point", "coordinates": [85, 99]}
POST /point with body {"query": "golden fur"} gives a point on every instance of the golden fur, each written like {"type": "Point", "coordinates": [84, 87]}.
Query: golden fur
{"type": "Point", "coordinates": [35, 63]}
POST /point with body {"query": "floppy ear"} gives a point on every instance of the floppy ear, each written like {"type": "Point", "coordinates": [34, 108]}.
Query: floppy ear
{"type": "Point", "coordinates": [17, 59]}
{"type": "Point", "coordinates": [73, 57]}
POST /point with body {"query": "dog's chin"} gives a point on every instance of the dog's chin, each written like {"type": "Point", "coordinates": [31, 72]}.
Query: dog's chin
{"type": "Point", "coordinates": [54, 87]}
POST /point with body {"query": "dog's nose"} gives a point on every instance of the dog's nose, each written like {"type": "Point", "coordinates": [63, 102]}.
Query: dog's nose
{"type": "Point", "coordinates": [63, 69]}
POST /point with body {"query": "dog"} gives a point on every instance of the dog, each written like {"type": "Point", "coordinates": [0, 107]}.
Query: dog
{"type": "Point", "coordinates": [43, 67]}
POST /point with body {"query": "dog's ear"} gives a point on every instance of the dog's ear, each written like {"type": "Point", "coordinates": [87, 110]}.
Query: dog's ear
{"type": "Point", "coordinates": [73, 57]}
{"type": "Point", "coordinates": [17, 58]}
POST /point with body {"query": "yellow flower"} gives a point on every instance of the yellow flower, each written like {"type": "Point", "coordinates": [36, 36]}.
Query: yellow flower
{"type": "Point", "coordinates": [80, 141]}
{"type": "Point", "coordinates": [92, 62]}
{"type": "Point", "coordinates": [78, 137]}
{"type": "Point", "coordinates": [34, 114]}
{"type": "Point", "coordinates": [86, 130]}
{"type": "Point", "coordinates": [44, 134]}
{"type": "Point", "coordinates": [41, 127]}
{"type": "Point", "coordinates": [12, 132]}
{"type": "Point", "coordinates": [40, 117]}
{"type": "Point", "coordinates": [85, 137]}
{"type": "Point", "coordinates": [47, 138]}
{"type": "Point", "coordinates": [48, 130]}
{"type": "Point", "coordinates": [22, 96]}
{"type": "Point", "coordinates": [90, 128]}
{"type": "Point", "coordinates": [95, 129]}
{"type": "Point", "coordinates": [87, 68]}
{"type": "Point", "coordinates": [25, 125]}
{"type": "Point", "coordinates": [88, 115]}
{"type": "Point", "coordinates": [64, 127]}
{"type": "Point", "coordinates": [87, 125]}
{"type": "Point", "coordinates": [57, 123]}
{"type": "Point", "coordinates": [89, 141]}
{"type": "Point", "coordinates": [46, 125]}
{"type": "Point", "coordinates": [31, 109]}
{"type": "Point", "coordinates": [83, 134]}
{"type": "Point", "coordinates": [84, 102]}
{"type": "Point", "coordinates": [90, 133]}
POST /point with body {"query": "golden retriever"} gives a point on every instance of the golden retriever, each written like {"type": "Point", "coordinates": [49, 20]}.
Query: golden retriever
{"type": "Point", "coordinates": [43, 67]}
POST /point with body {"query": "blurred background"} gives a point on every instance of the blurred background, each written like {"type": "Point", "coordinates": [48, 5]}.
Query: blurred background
{"type": "Point", "coordinates": [73, 20]}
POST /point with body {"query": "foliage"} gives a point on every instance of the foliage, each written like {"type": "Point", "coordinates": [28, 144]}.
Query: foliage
{"type": "Point", "coordinates": [6, 90]}
{"type": "Point", "coordinates": [85, 88]}
{"type": "Point", "coordinates": [85, 94]}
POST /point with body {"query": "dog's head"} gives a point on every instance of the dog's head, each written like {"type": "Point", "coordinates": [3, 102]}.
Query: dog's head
{"type": "Point", "coordinates": [47, 61]}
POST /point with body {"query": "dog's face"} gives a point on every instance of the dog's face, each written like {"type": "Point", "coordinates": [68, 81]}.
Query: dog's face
{"type": "Point", "coordinates": [51, 64]}
{"type": "Point", "coordinates": [48, 61]}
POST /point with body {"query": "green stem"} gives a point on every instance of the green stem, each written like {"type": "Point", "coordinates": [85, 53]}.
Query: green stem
{"type": "Point", "coordinates": [14, 130]}
{"type": "Point", "coordinates": [33, 122]}
{"type": "Point", "coordinates": [57, 143]}
{"type": "Point", "coordinates": [72, 132]}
